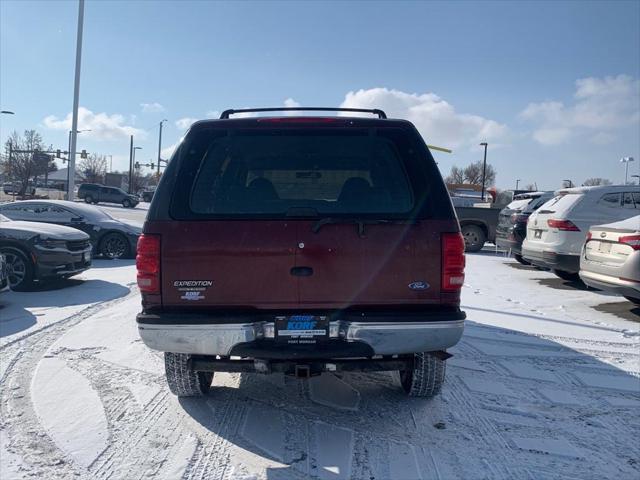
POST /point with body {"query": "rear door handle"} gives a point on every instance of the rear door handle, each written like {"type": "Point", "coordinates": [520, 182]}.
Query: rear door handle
{"type": "Point", "coordinates": [302, 271]}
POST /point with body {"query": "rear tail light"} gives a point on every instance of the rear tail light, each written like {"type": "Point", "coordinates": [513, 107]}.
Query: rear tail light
{"type": "Point", "coordinates": [632, 240]}
{"type": "Point", "coordinates": [148, 263]}
{"type": "Point", "coordinates": [563, 225]}
{"type": "Point", "coordinates": [452, 262]}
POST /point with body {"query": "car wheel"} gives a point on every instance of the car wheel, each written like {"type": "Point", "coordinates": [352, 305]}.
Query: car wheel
{"type": "Point", "coordinates": [126, 203]}
{"type": "Point", "coordinates": [88, 199]}
{"type": "Point", "coordinates": [20, 269]}
{"type": "Point", "coordinates": [183, 381]}
{"type": "Point", "coordinates": [569, 276]}
{"type": "Point", "coordinates": [633, 300]}
{"type": "Point", "coordinates": [426, 377]}
{"type": "Point", "coordinates": [521, 259]}
{"type": "Point", "coordinates": [114, 245]}
{"type": "Point", "coordinates": [474, 238]}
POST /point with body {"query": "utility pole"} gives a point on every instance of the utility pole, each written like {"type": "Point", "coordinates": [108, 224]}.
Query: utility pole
{"type": "Point", "coordinates": [13, 190]}
{"type": "Point", "coordinates": [517, 182]}
{"type": "Point", "coordinates": [76, 99]}
{"type": "Point", "coordinates": [160, 145]}
{"type": "Point", "coordinates": [110, 163]}
{"type": "Point", "coordinates": [130, 164]}
{"type": "Point", "coordinates": [484, 168]}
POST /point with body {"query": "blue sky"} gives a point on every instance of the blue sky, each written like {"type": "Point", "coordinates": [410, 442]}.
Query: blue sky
{"type": "Point", "coordinates": [554, 87]}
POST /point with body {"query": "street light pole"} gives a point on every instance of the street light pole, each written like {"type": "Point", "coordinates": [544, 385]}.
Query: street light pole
{"type": "Point", "coordinates": [76, 99]}
{"type": "Point", "coordinates": [517, 182]}
{"type": "Point", "coordinates": [626, 161]}
{"type": "Point", "coordinates": [484, 168]}
{"type": "Point", "coordinates": [160, 145]}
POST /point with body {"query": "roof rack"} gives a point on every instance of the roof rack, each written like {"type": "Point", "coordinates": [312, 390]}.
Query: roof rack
{"type": "Point", "coordinates": [375, 111]}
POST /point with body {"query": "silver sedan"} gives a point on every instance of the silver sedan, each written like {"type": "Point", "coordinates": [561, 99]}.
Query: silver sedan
{"type": "Point", "coordinates": [610, 258]}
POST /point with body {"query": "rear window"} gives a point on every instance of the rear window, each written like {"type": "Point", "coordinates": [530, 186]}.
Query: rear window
{"type": "Point", "coordinates": [561, 203]}
{"type": "Point", "coordinates": [518, 204]}
{"type": "Point", "coordinates": [303, 172]}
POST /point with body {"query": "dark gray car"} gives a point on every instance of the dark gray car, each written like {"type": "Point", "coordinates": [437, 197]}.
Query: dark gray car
{"type": "Point", "coordinates": [95, 193]}
{"type": "Point", "coordinates": [39, 251]}
{"type": "Point", "coordinates": [110, 238]}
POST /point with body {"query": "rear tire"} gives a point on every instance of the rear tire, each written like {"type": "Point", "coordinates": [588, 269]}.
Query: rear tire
{"type": "Point", "coordinates": [474, 238]}
{"type": "Point", "coordinates": [521, 259]}
{"type": "Point", "coordinates": [183, 381]}
{"type": "Point", "coordinates": [633, 300]}
{"type": "Point", "coordinates": [569, 276]}
{"type": "Point", "coordinates": [126, 203]}
{"type": "Point", "coordinates": [426, 377]}
{"type": "Point", "coordinates": [88, 199]}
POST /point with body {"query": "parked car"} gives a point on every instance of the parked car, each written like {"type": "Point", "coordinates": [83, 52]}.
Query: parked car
{"type": "Point", "coordinates": [36, 252]}
{"type": "Point", "coordinates": [147, 195]}
{"type": "Point", "coordinates": [478, 226]}
{"type": "Point", "coordinates": [557, 231]}
{"type": "Point", "coordinates": [95, 193]}
{"type": "Point", "coordinates": [4, 274]}
{"type": "Point", "coordinates": [512, 221]}
{"type": "Point", "coordinates": [610, 258]}
{"type": "Point", "coordinates": [16, 188]}
{"type": "Point", "coordinates": [301, 245]}
{"type": "Point", "coordinates": [109, 237]}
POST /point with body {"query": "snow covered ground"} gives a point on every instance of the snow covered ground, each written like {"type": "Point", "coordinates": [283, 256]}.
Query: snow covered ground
{"type": "Point", "coordinates": [543, 385]}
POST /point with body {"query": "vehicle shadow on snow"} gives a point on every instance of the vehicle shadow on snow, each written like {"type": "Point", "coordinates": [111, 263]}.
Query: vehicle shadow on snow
{"type": "Point", "coordinates": [498, 376]}
{"type": "Point", "coordinates": [15, 316]}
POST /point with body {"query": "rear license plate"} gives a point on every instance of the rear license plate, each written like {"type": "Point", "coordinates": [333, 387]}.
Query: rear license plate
{"type": "Point", "coordinates": [537, 234]}
{"type": "Point", "coordinates": [605, 247]}
{"type": "Point", "coordinates": [302, 329]}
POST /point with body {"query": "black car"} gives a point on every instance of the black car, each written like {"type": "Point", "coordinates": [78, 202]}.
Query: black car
{"type": "Point", "coordinates": [96, 193]}
{"type": "Point", "coordinates": [512, 222]}
{"type": "Point", "coordinates": [109, 237]}
{"type": "Point", "coordinates": [36, 252]}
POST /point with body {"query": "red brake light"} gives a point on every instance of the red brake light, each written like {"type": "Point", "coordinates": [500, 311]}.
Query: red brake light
{"type": "Point", "coordinates": [563, 225]}
{"type": "Point", "coordinates": [632, 240]}
{"type": "Point", "coordinates": [148, 263]}
{"type": "Point", "coordinates": [452, 262]}
{"type": "Point", "coordinates": [302, 120]}
{"type": "Point", "coordinates": [519, 218]}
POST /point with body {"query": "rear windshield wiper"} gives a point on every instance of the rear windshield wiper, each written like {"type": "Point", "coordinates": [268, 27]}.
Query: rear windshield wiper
{"type": "Point", "coordinates": [360, 222]}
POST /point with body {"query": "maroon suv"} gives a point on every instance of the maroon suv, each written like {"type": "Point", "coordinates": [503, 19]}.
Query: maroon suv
{"type": "Point", "coordinates": [301, 245]}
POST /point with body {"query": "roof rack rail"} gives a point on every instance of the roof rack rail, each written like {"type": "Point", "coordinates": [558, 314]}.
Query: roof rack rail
{"type": "Point", "coordinates": [375, 111]}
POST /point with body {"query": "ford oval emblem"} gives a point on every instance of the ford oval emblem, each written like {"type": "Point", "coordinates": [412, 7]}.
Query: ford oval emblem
{"type": "Point", "coordinates": [418, 286]}
{"type": "Point", "coordinates": [603, 235]}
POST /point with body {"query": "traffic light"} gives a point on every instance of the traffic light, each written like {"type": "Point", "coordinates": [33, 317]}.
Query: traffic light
{"type": "Point", "coordinates": [58, 153]}
{"type": "Point", "coordinates": [137, 165]}
{"type": "Point", "coordinates": [83, 154]}
{"type": "Point", "coordinates": [152, 165]}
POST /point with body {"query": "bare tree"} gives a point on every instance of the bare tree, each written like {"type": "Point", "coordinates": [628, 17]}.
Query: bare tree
{"type": "Point", "coordinates": [471, 174]}
{"type": "Point", "coordinates": [589, 182]}
{"type": "Point", "coordinates": [22, 166]}
{"type": "Point", "coordinates": [94, 167]}
{"type": "Point", "coordinates": [455, 176]}
{"type": "Point", "coordinates": [531, 187]}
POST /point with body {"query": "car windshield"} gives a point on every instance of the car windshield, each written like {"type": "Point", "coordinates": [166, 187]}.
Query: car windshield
{"type": "Point", "coordinates": [518, 204]}
{"type": "Point", "coordinates": [279, 172]}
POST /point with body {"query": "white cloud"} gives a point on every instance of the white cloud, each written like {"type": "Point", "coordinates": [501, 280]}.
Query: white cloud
{"type": "Point", "coordinates": [436, 119]}
{"type": "Point", "coordinates": [213, 114]}
{"type": "Point", "coordinates": [154, 107]}
{"type": "Point", "coordinates": [102, 125]}
{"type": "Point", "coordinates": [601, 105]}
{"type": "Point", "coordinates": [168, 151]}
{"type": "Point", "coordinates": [185, 122]}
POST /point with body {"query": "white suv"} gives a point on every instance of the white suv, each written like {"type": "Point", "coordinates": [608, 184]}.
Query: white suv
{"type": "Point", "coordinates": [557, 231]}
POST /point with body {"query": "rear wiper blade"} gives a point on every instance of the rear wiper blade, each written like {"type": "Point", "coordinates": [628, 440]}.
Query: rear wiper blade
{"type": "Point", "coordinates": [360, 222]}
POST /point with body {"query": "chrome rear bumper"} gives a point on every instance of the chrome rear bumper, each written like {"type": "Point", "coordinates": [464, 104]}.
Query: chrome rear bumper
{"type": "Point", "coordinates": [384, 338]}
